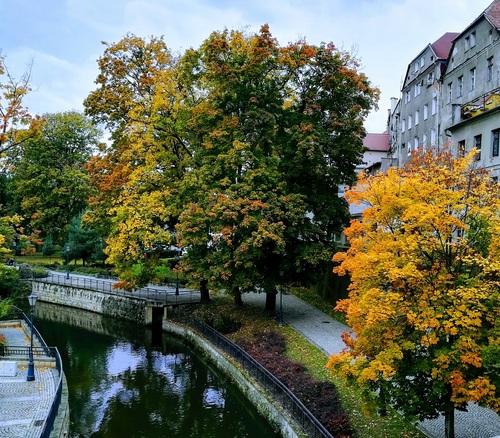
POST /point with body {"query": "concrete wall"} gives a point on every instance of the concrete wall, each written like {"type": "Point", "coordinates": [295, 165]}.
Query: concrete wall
{"type": "Point", "coordinates": [276, 417]}
{"type": "Point", "coordinates": [130, 309]}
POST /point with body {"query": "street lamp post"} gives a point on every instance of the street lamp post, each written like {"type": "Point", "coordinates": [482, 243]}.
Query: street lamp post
{"type": "Point", "coordinates": [280, 319]}
{"type": "Point", "coordinates": [31, 364]}
{"type": "Point", "coordinates": [177, 274]}
{"type": "Point", "coordinates": [67, 261]}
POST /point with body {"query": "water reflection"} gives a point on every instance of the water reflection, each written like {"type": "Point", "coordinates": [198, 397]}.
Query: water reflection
{"type": "Point", "coordinates": [124, 385]}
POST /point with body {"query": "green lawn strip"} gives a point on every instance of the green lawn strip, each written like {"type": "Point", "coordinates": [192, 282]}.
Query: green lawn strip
{"type": "Point", "coordinates": [365, 420]}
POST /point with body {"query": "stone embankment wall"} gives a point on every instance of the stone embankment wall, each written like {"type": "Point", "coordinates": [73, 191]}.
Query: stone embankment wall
{"type": "Point", "coordinates": [116, 306]}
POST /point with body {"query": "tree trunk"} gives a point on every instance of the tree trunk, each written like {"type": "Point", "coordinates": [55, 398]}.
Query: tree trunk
{"type": "Point", "coordinates": [204, 293]}
{"type": "Point", "coordinates": [238, 302]}
{"type": "Point", "coordinates": [449, 417]}
{"type": "Point", "coordinates": [270, 308]}
{"type": "Point", "coordinates": [449, 423]}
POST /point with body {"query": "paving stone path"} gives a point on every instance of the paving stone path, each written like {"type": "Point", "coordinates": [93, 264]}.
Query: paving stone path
{"type": "Point", "coordinates": [24, 405]}
{"type": "Point", "coordinates": [324, 332]}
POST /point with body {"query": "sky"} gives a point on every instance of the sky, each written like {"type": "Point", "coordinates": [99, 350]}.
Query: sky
{"type": "Point", "coordinates": [63, 38]}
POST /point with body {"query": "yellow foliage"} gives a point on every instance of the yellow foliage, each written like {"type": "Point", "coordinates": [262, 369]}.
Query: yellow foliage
{"type": "Point", "coordinates": [423, 264]}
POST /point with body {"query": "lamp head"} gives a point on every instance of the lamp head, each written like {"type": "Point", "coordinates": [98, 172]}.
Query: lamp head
{"type": "Point", "coordinates": [32, 299]}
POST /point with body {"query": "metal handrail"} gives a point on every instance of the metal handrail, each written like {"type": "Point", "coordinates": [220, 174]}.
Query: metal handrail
{"type": "Point", "coordinates": [43, 350]}
{"type": "Point", "coordinates": [56, 402]}
{"type": "Point", "coordinates": [162, 295]}
{"type": "Point", "coordinates": [14, 350]}
{"type": "Point", "coordinates": [311, 425]}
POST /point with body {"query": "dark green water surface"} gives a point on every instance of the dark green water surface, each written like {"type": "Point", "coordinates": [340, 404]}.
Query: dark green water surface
{"type": "Point", "coordinates": [126, 382]}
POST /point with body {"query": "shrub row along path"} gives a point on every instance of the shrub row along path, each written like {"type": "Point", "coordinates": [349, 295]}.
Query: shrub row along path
{"type": "Point", "coordinates": [325, 333]}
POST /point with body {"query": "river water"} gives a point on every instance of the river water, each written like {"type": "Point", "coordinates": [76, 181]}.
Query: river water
{"type": "Point", "coordinates": [126, 381]}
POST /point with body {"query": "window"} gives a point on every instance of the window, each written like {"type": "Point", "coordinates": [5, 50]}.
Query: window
{"type": "Point", "coordinates": [460, 86]}
{"type": "Point", "coordinates": [461, 148]}
{"type": "Point", "coordinates": [403, 125]}
{"type": "Point", "coordinates": [426, 111]}
{"type": "Point", "coordinates": [422, 61]}
{"type": "Point", "coordinates": [450, 85]}
{"type": "Point", "coordinates": [417, 116]}
{"type": "Point", "coordinates": [477, 145]}
{"type": "Point", "coordinates": [489, 69]}
{"type": "Point", "coordinates": [415, 142]}
{"type": "Point", "coordinates": [424, 141]}
{"type": "Point", "coordinates": [409, 122]}
{"type": "Point", "coordinates": [467, 43]}
{"type": "Point", "coordinates": [434, 105]}
{"type": "Point", "coordinates": [430, 78]}
{"type": "Point", "coordinates": [472, 79]}
{"type": "Point", "coordinates": [433, 137]}
{"type": "Point", "coordinates": [472, 39]}
{"type": "Point", "coordinates": [415, 67]}
{"type": "Point", "coordinates": [407, 96]}
{"type": "Point", "coordinates": [418, 87]}
{"type": "Point", "coordinates": [495, 137]}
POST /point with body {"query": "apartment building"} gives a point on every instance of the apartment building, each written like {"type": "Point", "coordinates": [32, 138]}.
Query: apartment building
{"type": "Point", "coordinates": [451, 96]}
{"type": "Point", "coordinates": [470, 97]}
{"type": "Point", "coordinates": [418, 117]}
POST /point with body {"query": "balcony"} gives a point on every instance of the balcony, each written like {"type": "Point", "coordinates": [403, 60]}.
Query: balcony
{"type": "Point", "coordinates": [480, 105]}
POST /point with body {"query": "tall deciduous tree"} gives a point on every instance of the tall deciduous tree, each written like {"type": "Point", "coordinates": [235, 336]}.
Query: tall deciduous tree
{"type": "Point", "coordinates": [139, 101]}
{"type": "Point", "coordinates": [16, 124]}
{"type": "Point", "coordinates": [276, 130]}
{"type": "Point", "coordinates": [230, 143]}
{"type": "Point", "coordinates": [424, 301]}
{"type": "Point", "coordinates": [49, 181]}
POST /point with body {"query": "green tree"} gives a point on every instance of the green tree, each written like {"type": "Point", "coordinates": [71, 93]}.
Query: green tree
{"type": "Point", "coordinates": [49, 182]}
{"type": "Point", "coordinates": [215, 150]}
{"type": "Point", "coordinates": [424, 302]}
{"type": "Point", "coordinates": [84, 243]}
{"type": "Point", "coordinates": [274, 132]}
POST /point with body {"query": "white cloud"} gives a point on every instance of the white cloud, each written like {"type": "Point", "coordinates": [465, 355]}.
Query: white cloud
{"type": "Point", "coordinates": [65, 38]}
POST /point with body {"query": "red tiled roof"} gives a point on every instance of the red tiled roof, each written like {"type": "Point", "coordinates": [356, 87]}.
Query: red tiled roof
{"type": "Point", "coordinates": [442, 46]}
{"type": "Point", "coordinates": [492, 13]}
{"type": "Point", "coordinates": [377, 142]}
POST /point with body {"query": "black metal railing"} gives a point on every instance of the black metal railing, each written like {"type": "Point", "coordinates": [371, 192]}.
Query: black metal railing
{"type": "Point", "coordinates": [39, 351]}
{"type": "Point", "coordinates": [280, 392]}
{"type": "Point", "coordinates": [56, 402]}
{"type": "Point", "coordinates": [165, 295]}
{"type": "Point", "coordinates": [36, 333]}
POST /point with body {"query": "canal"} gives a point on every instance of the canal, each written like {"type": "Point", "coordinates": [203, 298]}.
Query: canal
{"type": "Point", "coordinates": [126, 381]}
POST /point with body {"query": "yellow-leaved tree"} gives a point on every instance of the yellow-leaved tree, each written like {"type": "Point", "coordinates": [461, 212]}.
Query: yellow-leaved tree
{"type": "Point", "coordinates": [424, 300]}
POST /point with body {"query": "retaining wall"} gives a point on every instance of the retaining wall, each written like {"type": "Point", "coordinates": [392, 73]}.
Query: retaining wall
{"type": "Point", "coordinates": [128, 308]}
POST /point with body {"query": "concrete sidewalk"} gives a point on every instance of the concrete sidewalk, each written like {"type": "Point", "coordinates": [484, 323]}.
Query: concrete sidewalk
{"type": "Point", "coordinates": [324, 332]}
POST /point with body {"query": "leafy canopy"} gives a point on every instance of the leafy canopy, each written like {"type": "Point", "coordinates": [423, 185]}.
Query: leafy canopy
{"type": "Point", "coordinates": [424, 301]}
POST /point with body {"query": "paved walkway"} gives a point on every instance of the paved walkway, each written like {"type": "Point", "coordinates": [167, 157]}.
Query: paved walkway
{"type": "Point", "coordinates": [324, 332]}
{"type": "Point", "coordinates": [24, 406]}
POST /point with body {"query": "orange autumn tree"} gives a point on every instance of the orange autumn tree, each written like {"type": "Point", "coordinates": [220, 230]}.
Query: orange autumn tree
{"type": "Point", "coordinates": [424, 300]}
